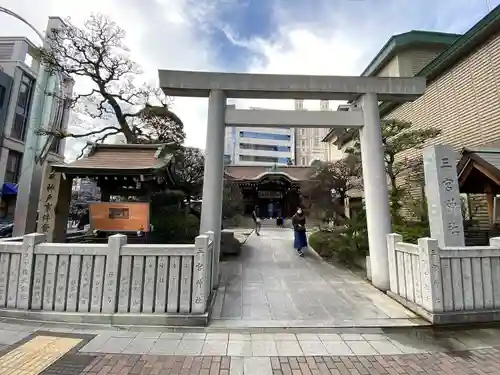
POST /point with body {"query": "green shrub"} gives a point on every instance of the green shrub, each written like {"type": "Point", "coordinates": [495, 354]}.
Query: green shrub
{"type": "Point", "coordinates": [320, 241]}
{"type": "Point", "coordinates": [174, 225]}
{"type": "Point", "coordinates": [345, 244]}
{"type": "Point", "coordinates": [238, 221]}
{"type": "Point", "coordinates": [412, 230]}
{"type": "Point", "coordinates": [350, 242]}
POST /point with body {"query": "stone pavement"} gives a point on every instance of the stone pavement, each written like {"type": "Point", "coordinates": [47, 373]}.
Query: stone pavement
{"type": "Point", "coordinates": [31, 349]}
{"type": "Point", "coordinates": [484, 361]}
{"type": "Point", "coordinates": [268, 285]}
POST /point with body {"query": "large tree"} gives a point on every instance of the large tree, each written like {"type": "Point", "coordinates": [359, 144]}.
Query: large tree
{"type": "Point", "coordinates": [189, 166]}
{"type": "Point", "coordinates": [96, 56]}
{"type": "Point", "coordinates": [232, 200]}
{"type": "Point", "coordinates": [398, 136]}
{"type": "Point", "coordinates": [330, 183]}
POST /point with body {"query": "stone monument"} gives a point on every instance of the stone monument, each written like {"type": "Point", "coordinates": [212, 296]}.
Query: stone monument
{"type": "Point", "coordinates": [443, 196]}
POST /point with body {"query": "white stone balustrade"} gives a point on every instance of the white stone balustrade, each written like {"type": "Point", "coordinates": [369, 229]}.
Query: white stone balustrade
{"type": "Point", "coordinates": [106, 282]}
{"type": "Point", "coordinates": [446, 285]}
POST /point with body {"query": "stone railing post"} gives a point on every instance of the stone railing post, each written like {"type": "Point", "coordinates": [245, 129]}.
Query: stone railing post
{"type": "Point", "coordinates": [495, 242]}
{"type": "Point", "coordinates": [200, 297]}
{"type": "Point", "coordinates": [392, 239]}
{"type": "Point", "coordinates": [110, 292]}
{"type": "Point", "coordinates": [213, 274]}
{"type": "Point", "coordinates": [26, 269]}
{"type": "Point", "coordinates": [430, 271]}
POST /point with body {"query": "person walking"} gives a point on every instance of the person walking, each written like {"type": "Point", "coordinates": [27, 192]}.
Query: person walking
{"type": "Point", "coordinates": [299, 231]}
{"type": "Point", "coordinates": [256, 221]}
{"type": "Point", "coordinates": [279, 219]}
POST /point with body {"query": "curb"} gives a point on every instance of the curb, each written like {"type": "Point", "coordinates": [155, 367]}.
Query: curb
{"type": "Point", "coordinates": [312, 251]}
{"type": "Point", "coordinates": [246, 239]}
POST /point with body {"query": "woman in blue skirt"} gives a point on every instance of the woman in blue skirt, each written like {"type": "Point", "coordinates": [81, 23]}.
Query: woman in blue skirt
{"type": "Point", "coordinates": [299, 231]}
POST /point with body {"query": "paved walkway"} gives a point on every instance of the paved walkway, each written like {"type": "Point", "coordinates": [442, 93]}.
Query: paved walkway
{"type": "Point", "coordinates": [54, 349]}
{"type": "Point", "coordinates": [268, 285]}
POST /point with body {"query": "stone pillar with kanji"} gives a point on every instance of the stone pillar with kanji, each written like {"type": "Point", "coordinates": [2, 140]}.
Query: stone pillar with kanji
{"type": "Point", "coordinates": [53, 208]}
{"type": "Point", "coordinates": [443, 196]}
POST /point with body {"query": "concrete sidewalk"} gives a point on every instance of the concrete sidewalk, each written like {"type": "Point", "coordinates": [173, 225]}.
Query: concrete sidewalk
{"type": "Point", "coordinates": [54, 349]}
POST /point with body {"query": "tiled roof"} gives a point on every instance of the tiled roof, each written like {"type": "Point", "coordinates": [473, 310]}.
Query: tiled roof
{"type": "Point", "coordinates": [491, 156]}
{"type": "Point", "coordinates": [120, 157]}
{"type": "Point", "coordinates": [250, 172]}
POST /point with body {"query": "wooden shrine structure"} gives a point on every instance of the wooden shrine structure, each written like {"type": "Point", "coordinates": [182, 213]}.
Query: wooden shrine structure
{"type": "Point", "coordinates": [126, 170]}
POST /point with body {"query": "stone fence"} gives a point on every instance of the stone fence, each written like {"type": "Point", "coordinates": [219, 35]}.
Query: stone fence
{"type": "Point", "coordinates": [446, 285]}
{"type": "Point", "coordinates": [113, 283]}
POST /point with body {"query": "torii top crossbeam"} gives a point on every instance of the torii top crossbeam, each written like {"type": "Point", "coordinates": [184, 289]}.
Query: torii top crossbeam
{"type": "Point", "coordinates": [278, 86]}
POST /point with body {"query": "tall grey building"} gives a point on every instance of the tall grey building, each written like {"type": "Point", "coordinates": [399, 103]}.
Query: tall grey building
{"type": "Point", "coordinates": [18, 72]}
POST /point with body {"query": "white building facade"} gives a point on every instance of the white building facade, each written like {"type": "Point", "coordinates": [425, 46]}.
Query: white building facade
{"type": "Point", "coordinates": [309, 144]}
{"type": "Point", "coordinates": [259, 146]}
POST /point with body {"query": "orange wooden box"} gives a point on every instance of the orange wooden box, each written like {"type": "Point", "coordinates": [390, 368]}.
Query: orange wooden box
{"type": "Point", "coordinates": [119, 217]}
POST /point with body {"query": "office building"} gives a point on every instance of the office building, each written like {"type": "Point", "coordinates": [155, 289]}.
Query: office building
{"type": "Point", "coordinates": [18, 72]}
{"type": "Point", "coordinates": [308, 141]}
{"type": "Point", "coordinates": [259, 146]}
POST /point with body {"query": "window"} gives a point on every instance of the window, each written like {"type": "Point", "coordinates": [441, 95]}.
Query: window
{"type": "Point", "coordinates": [249, 146]}
{"type": "Point", "coordinates": [263, 159]}
{"type": "Point", "coordinates": [284, 148]}
{"type": "Point", "coordinates": [22, 108]}
{"type": "Point", "coordinates": [12, 171]}
{"type": "Point", "coordinates": [255, 135]}
{"type": "Point", "coordinates": [299, 104]}
{"type": "Point", "coordinates": [284, 161]}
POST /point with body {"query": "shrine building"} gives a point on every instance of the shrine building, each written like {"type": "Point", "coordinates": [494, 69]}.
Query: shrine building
{"type": "Point", "coordinates": [274, 191]}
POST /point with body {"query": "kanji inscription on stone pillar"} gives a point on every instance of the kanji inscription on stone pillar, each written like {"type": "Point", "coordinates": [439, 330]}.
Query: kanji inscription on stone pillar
{"type": "Point", "coordinates": [443, 196]}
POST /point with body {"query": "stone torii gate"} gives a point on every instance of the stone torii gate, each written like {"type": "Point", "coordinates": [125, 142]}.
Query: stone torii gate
{"type": "Point", "coordinates": [364, 92]}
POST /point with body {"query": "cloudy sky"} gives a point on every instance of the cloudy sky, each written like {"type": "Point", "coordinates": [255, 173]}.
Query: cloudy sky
{"type": "Point", "coordinates": [328, 37]}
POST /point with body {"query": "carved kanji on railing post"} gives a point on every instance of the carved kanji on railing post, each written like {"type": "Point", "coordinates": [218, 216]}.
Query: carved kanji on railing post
{"type": "Point", "coordinates": [430, 271]}
{"type": "Point", "coordinates": [210, 264]}
{"type": "Point", "coordinates": [199, 299]}
{"type": "Point", "coordinates": [110, 292]}
{"type": "Point", "coordinates": [26, 269]}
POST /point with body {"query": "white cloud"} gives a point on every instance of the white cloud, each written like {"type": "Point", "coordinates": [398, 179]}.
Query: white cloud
{"type": "Point", "coordinates": [336, 38]}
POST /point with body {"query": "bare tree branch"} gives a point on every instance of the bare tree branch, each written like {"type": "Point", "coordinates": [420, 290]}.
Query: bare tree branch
{"type": "Point", "coordinates": [99, 140]}
{"type": "Point", "coordinates": [62, 134]}
{"type": "Point", "coordinates": [97, 53]}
